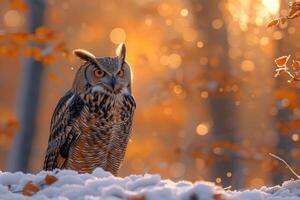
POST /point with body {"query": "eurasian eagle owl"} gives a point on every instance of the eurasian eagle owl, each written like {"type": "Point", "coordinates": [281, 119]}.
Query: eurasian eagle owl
{"type": "Point", "coordinates": [91, 123]}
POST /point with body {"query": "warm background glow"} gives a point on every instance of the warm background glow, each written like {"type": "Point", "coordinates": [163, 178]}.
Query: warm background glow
{"type": "Point", "coordinates": [198, 65]}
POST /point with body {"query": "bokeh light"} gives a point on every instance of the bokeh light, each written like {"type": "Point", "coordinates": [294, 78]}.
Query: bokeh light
{"type": "Point", "coordinates": [295, 137]}
{"type": "Point", "coordinates": [118, 35]}
{"type": "Point", "coordinates": [247, 66]}
{"type": "Point", "coordinates": [217, 24]}
{"type": "Point", "coordinates": [184, 12]}
{"type": "Point", "coordinates": [200, 44]}
{"type": "Point", "coordinates": [202, 129]}
{"type": "Point", "coordinates": [13, 18]}
{"type": "Point", "coordinates": [174, 61]}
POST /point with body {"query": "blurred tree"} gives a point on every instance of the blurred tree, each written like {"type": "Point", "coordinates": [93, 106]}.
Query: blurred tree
{"type": "Point", "coordinates": [211, 24]}
{"type": "Point", "coordinates": [29, 95]}
{"type": "Point", "coordinates": [256, 134]}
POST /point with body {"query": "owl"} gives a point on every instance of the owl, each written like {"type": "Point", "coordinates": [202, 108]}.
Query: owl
{"type": "Point", "coordinates": [91, 123]}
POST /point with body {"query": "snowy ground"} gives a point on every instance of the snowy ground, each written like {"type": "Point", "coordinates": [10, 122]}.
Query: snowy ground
{"type": "Point", "coordinates": [65, 184]}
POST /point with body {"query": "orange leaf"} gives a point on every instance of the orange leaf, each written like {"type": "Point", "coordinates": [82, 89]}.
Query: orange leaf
{"type": "Point", "coordinates": [19, 38]}
{"type": "Point", "coordinates": [294, 14]}
{"type": "Point", "coordinates": [48, 59]}
{"type": "Point", "coordinates": [42, 30]}
{"type": "Point", "coordinates": [294, 80]}
{"type": "Point", "coordinates": [274, 22]}
{"type": "Point", "coordinates": [50, 179]}
{"type": "Point", "coordinates": [218, 197]}
{"type": "Point", "coordinates": [294, 10]}
{"type": "Point", "coordinates": [137, 198]}
{"type": "Point", "coordinates": [281, 61]}
{"type": "Point", "coordinates": [30, 189]}
{"type": "Point", "coordinates": [43, 35]}
{"type": "Point", "coordinates": [295, 4]}
{"type": "Point", "coordinates": [18, 5]}
{"type": "Point", "coordinates": [296, 64]}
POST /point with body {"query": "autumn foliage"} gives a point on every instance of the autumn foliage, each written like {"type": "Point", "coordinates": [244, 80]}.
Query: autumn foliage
{"type": "Point", "coordinates": [282, 61]}
{"type": "Point", "coordinates": [31, 188]}
{"type": "Point", "coordinates": [13, 44]}
{"type": "Point", "coordinates": [43, 45]}
{"type": "Point", "coordinates": [50, 179]}
{"type": "Point", "coordinates": [294, 12]}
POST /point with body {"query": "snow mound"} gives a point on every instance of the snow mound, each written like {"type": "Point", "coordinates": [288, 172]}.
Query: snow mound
{"type": "Point", "coordinates": [67, 184]}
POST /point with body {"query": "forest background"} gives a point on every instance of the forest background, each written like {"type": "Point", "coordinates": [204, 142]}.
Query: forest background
{"type": "Point", "coordinates": [208, 105]}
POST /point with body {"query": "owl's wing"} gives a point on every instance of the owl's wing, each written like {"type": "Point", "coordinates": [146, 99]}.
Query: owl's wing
{"type": "Point", "coordinates": [62, 131]}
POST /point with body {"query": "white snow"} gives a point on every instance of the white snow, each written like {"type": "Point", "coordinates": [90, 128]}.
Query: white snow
{"type": "Point", "coordinates": [103, 185]}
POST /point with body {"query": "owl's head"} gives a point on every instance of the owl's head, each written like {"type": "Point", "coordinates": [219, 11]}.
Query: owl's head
{"type": "Point", "coordinates": [104, 74]}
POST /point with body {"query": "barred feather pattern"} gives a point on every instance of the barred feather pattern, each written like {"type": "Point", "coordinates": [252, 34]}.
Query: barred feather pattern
{"type": "Point", "coordinates": [90, 130]}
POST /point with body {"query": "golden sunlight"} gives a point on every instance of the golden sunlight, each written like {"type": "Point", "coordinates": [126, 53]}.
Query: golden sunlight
{"type": "Point", "coordinates": [272, 6]}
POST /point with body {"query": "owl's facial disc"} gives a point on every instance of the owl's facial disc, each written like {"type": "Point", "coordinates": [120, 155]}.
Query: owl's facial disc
{"type": "Point", "coordinates": [113, 83]}
{"type": "Point", "coordinates": [107, 74]}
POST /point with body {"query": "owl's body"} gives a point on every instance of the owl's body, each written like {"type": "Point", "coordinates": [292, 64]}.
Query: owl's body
{"type": "Point", "coordinates": [91, 124]}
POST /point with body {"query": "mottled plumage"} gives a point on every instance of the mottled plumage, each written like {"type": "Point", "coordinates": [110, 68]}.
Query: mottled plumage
{"type": "Point", "coordinates": [91, 124]}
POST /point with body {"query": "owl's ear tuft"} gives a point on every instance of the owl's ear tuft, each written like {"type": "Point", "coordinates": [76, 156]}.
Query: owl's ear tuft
{"type": "Point", "coordinates": [121, 52]}
{"type": "Point", "coordinates": [84, 55]}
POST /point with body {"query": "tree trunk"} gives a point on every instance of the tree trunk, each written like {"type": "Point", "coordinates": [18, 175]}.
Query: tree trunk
{"type": "Point", "coordinates": [222, 106]}
{"type": "Point", "coordinates": [29, 96]}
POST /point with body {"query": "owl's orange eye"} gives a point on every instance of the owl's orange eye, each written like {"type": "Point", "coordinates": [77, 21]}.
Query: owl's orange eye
{"type": "Point", "coordinates": [121, 73]}
{"type": "Point", "coordinates": [99, 73]}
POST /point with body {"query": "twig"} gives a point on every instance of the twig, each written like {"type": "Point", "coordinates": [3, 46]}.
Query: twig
{"type": "Point", "coordinates": [286, 164]}
{"type": "Point", "coordinates": [227, 188]}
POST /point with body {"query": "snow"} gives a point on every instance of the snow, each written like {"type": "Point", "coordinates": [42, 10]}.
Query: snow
{"type": "Point", "coordinates": [103, 185]}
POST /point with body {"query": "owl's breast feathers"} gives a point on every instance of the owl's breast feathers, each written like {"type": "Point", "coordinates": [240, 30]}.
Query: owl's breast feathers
{"type": "Point", "coordinates": [89, 131]}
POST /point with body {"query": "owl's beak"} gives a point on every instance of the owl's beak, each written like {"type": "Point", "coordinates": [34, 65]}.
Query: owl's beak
{"type": "Point", "coordinates": [113, 82]}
